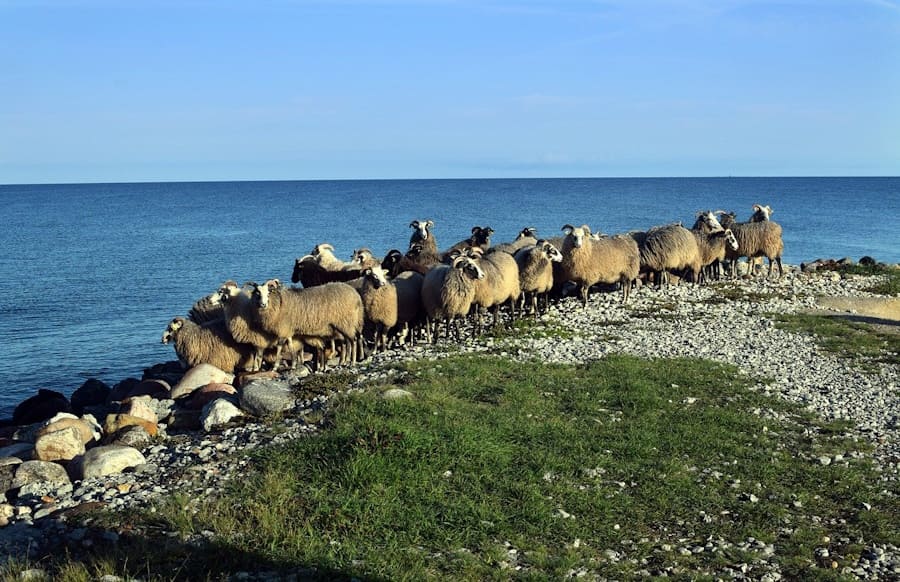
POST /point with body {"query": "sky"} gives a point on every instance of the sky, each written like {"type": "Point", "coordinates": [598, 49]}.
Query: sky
{"type": "Point", "coordinates": [127, 91]}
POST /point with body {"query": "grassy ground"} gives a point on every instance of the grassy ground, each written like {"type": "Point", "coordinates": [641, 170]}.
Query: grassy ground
{"type": "Point", "coordinates": [498, 469]}
{"type": "Point", "coordinates": [842, 337]}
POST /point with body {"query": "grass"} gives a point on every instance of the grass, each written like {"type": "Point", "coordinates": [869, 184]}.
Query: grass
{"type": "Point", "coordinates": [844, 338]}
{"type": "Point", "coordinates": [890, 277]}
{"type": "Point", "coordinates": [502, 470]}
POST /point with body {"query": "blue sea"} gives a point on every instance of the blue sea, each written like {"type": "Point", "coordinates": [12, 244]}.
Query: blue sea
{"type": "Point", "coordinates": [90, 274]}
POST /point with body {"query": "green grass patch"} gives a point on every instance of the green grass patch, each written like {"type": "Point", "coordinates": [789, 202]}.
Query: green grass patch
{"type": "Point", "coordinates": [889, 277]}
{"type": "Point", "coordinates": [844, 338]}
{"type": "Point", "coordinates": [530, 327]}
{"type": "Point", "coordinates": [499, 469]}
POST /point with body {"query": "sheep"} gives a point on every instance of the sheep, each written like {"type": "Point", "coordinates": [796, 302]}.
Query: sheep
{"type": "Point", "coordinates": [481, 238]}
{"type": "Point", "coordinates": [670, 247]}
{"type": "Point", "coordinates": [536, 272]}
{"type": "Point", "coordinates": [712, 247]}
{"type": "Point", "coordinates": [416, 259]}
{"type": "Point", "coordinates": [332, 311]}
{"type": "Point", "coordinates": [761, 213]}
{"type": "Point", "coordinates": [243, 323]}
{"type": "Point", "coordinates": [379, 299]}
{"type": "Point", "coordinates": [447, 294]}
{"type": "Point", "coordinates": [499, 285]}
{"type": "Point", "coordinates": [309, 273]}
{"type": "Point", "coordinates": [707, 222]}
{"type": "Point", "coordinates": [206, 309]}
{"type": "Point", "coordinates": [757, 239]}
{"type": "Point", "coordinates": [409, 304]}
{"type": "Point", "coordinates": [363, 259]}
{"type": "Point", "coordinates": [527, 237]}
{"type": "Point", "coordinates": [323, 253]}
{"type": "Point", "coordinates": [587, 261]}
{"type": "Point", "coordinates": [209, 343]}
{"type": "Point", "coordinates": [423, 235]}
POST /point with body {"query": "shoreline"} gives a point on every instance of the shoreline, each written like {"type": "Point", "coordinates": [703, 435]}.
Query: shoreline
{"type": "Point", "coordinates": [682, 321]}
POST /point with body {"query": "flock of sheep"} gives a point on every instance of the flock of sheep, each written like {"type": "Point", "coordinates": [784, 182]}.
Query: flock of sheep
{"type": "Point", "coordinates": [342, 308]}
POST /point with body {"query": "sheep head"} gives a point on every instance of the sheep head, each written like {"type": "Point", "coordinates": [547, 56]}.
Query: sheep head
{"type": "Point", "coordinates": [761, 213]}
{"type": "Point", "coordinates": [730, 239]}
{"type": "Point", "coordinates": [228, 290]}
{"type": "Point", "coordinates": [362, 256]}
{"type": "Point", "coordinates": [172, 329]}
{"type": "Point", "coordinates": [527, 232]}
{"type": "Point", "coordinates": [469, 267]}
{"type": "Point", "coordinates": [376, 276]}
{"type": "Point", "coordinates": [421, 229]}
{"type": "Point", "coordinates": [550, 251]}
{"type": "Point", "coordinates": [577, 234]}
{"type": "Point", "coordinates": [261, 293]}
{"type": "Point", "coordinates": [706, 221]}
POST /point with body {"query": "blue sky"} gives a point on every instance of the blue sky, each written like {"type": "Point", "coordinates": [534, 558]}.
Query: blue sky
{"type": "Point", "coordinates": [108, 90]}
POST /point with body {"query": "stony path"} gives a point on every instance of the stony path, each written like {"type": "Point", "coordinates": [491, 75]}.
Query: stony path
{"type": "Point", "coordinates": [680, 321]}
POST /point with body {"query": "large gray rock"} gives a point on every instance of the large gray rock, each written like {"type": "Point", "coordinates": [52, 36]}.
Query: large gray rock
{"type": "Point", "coordinates": [63, 444]}
{"type": "Point", "coordinates": [218, 413]}
{"type": "Point", "coordinates": [267, 397]}
{"type": "Point", "coordinates": [33, 472]}
{"type": "Point", "coordinates": [108, 460]}
{"type": "Point", "coordinates": [131, 436]}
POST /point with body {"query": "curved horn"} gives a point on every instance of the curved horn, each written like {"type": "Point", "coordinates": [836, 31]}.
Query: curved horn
{"type": "Point", "coordinates": [414, 224]}
{"type": "Point", "coordinates": [475, 229]}
{"type": "Point", "coordinates": [568, 228]}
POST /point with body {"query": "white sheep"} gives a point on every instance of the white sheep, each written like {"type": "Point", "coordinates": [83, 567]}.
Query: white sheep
{"type": "Point", "coordinates": [500, 285]}
{"type": "Point", "coordinates": [447, 294]}
{"type": "Point", "coordinates": [241, 318]}
{"type": "Point", "coordinates": [536, 272]}
{"type": "Point", "coordinates": [670, 247]}
{"type": "Point", "coordinates": [587, 261]}
{"type": "Point", "coordinates": [380, 304]}
{"type": "Point", "coordinates": [209, 343]}
{"type": "Point", "coordinates": [712, 247]}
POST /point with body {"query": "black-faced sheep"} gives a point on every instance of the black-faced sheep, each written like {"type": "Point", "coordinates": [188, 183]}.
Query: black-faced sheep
{"type": "Point", "coordinates": [447, 294]}
{"type": "Point", "coordinates": [527, 237]}
{"type": "Point", "coordinates": [536, 273]}
{"type": "Point", "coordinates": [587, 261]}
{"type": "Point", "coordinates": [481, 239]}
{"type": "Point", "coordinates": [309, 273]}
{"type": "Point", "coordinates": [209, 343]}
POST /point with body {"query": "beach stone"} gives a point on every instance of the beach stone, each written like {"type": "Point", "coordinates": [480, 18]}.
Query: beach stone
{"type": "Point", "coordinates": [198, 376]}
{"type": "Point", "coordinates": [109, 460]}
{"type": "Point", "coordinates": [7, 475]}
{"type": "Point", "coordinates": [115, 422]}
{"type": "Point", "coordinates": [121, 390]}
{"type": "Point", "coordinates": [867, 261]}
{"type": "Point", "coordinates": [171, 372]}
{"type": "Point", "coordinates": [139, 406]}
{"type": "Point", "coordinates": [153, 388]}
{"type": "Point", "coordinates": [184, 419]}
{"type": "Point", "coordinates": [23, 451]}
{"type": "Point", "coordinates": [206, 394]}
{"type": "Point", "coordinates": [59, 445]}
{"type": "Point", "coordinates": [86, 430]}
{"type": "Point", "coordinates": [40, 407]}
{"type": "Point", "coordinates": [91, 393]}
{"type": "Point", "coordinates": [39, 472]}
{"type": "Point", "coordinates": [243, 379]}
{"type": "Point", "coordinates": [267, 397]}
{"type": "Point", "coordinates": [396, 394]}
{"type": "Point", "coordinates": [218, 413]}
{"type": "Point", "coordinates": [131, 436]}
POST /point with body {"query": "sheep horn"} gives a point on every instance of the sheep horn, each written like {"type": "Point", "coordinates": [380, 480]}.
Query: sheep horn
{"type": "Point", "coordinates": [476, 229]}
{"type": "Point", "coordinates": [414, 224]}
{"type": "Point", "coordinates": [429, 223]}
{"type": "Point", "coordinates": [569, 228]}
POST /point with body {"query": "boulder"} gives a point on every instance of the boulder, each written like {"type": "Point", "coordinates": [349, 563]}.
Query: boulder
{"type": "Point", "coordinates": [131, 436]}
{"type": "Point", "coordinates": [7, 475]}
{"type": "Point", "coordinates": [218, 413]}
{"type": "Point", "coordinates": [89, 431]}
{"type": "Point", "coordinates": [91, 393]}
{"type": "Point", "coordinates": [108, 460]}
{"type": "Point", "coordinates": [139, 406]}
{"type": "Point", "coordinates": [206, 394]}
{"type": "Point", "coordinates": [40, 407]}
{"type": "Point", "coordinates": [198, 376]}
{"type": "Point", "coordinates": [396, 394]}
{"type": "Point", "coordinates": [33, 472]}
{"type": "Point", "coordinates": [245, 378]}
{"type": "Point", "coordinates": [121, 390]}
{"type": "Point", "coordinates": [171, 372]}
{"type": "Point", "coordinates": [59, 445]}
{"type": "Point", "coordinates": [867, 261]}
{"type": "Point", "coordinates": [23, 451]}
{"type": "Point", "coordinates": [267, 397]}
{"type": "Point", "coordinates": [116, 422]}
{"type": "Point", "coordinates": [153, 388]}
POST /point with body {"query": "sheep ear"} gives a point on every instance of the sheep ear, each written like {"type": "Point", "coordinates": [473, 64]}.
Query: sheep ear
{"type": "Point", "coordinates": [587, 229]}
{"type": "Point", "coordinates": [429, 223]}
{"type": "Point", "coordinates": [756, 208]}
{"type": "Point", "coordinates": [568, 228]}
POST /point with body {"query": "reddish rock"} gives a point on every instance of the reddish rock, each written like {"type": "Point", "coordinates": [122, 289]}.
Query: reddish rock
{"type": "Point", "coordinates": [139, 407]}
{"type": "Point", "coordinates": [116, 422]}
{"type": "Point", "coordinates": [203, 396]}
{"type": "Point", "coordinates": [200, 376]}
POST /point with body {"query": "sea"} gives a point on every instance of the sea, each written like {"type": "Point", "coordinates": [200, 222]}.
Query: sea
{"type": "Point", "coordinates": [91, 274]}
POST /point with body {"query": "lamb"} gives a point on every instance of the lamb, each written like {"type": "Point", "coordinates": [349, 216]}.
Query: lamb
{"type": "Point", "coordinates": [380, 304]}
{"type": "Point", "coordinates": [536, 272]}
{"type": "Point", "coordinates": [209, 343]}
{"type": "Point", "coordinates": [206, 309]}
{"type": "Point", "coordinates": [587, 261]}
{"type": "Point", "coordinates": [527, 237]}
{"type": "Point", "coordinates": [499, 285]}
{"type": "Point", "coordinates": [481, 238]}
{"type": "Point", "coordinates": [668, 248]}
{"type": "Point", "coordinates": [242, 322]}
{"type": "Point", "coordinates": [447, 293]}
{"type": "Point", "coordinates": [332, 311]}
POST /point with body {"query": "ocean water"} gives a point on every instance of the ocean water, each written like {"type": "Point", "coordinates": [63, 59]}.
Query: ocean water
{"type": "Point", "coordinates": [90, 274]}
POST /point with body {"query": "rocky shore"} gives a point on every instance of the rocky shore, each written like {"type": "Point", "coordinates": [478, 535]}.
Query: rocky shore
{"type": "Point", "coordinates": [151, 446]}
